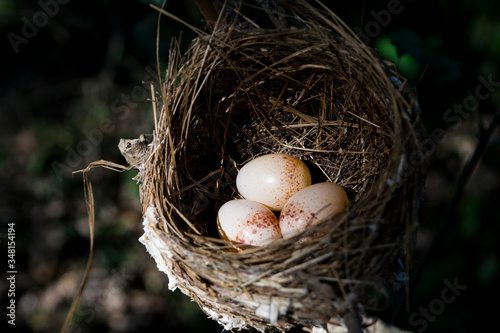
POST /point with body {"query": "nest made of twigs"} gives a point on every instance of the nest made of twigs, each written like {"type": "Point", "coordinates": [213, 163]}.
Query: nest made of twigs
{"type": "Point", "coordinates": [313, 91]}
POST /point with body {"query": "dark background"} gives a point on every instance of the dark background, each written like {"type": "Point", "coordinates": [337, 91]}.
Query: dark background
{"type": "Point", "coordinates": [73, 88]}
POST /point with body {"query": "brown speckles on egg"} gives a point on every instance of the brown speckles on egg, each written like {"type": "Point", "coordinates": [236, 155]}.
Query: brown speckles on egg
{"type": "Point", "coordinates": [311, 205]}
{"type": "Point", "coordinates": [273, 179]}
{"type": "Point", "coordinates": [248, 222]}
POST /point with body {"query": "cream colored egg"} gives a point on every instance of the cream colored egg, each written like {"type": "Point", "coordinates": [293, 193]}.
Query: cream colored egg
{"type": "Point", "coordinates": [310, 206]}
{"type": "Point", "coordinates": [247, 222]}
{"type": "Point", "coordinates": [272, 179]}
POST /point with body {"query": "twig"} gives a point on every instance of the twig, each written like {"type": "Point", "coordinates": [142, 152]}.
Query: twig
{"type": "Point", "coordinates": [89, 201]}
{"type": "Point", "coordinates": [353, 322]}
{"type": "Point", "coordinates": [172, 16]}
{"type": "Point", "coordinates": [352, 319]}
{"type": "Point", "coordinates": [484, 138]}
{"type": "Point", "coordinates": [209, 11]}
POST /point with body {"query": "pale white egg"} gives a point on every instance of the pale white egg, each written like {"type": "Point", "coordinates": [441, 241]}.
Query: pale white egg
{"type": "Point", "coordinates": [310, 206]}
{"type": "Point", "coordinates": [247, 222]}
{"type": "Point", "coordinates": [272, 179]}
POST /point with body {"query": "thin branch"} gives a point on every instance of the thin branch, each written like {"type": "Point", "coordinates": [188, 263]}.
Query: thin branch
{"type": "Point", "coordinates": [172, 16]}
{"type": "Point", "coordinates": [462, 181]}
{"type": "Point", "coordinates": [353, 322]}
{"type": "Point", "coordinates": [352, 318]}
{"type": "Point", "coordinates": [484, 138]}
{"type": "Point", "coordinates": [209, 11]}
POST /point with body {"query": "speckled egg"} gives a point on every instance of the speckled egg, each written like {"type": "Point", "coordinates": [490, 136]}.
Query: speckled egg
{"type": "Point", "coordinates": [247, 222]}
{"type": "Point", "coordinates": [311, 205]}
{"type": "Point", "coordinates": [272, 179]}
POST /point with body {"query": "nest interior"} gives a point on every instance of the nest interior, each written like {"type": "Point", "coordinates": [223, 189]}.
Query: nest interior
{"type": "Point", "coordinates": [313, 91]}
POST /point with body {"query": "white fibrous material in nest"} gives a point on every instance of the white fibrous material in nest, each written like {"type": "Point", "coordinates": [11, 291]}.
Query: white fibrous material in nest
{"type": "Point", "coordinates": [156, 246]}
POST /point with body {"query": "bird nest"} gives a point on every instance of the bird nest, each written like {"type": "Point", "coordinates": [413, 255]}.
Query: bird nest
{"type": "Point", "coordinates": [311, 90]}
